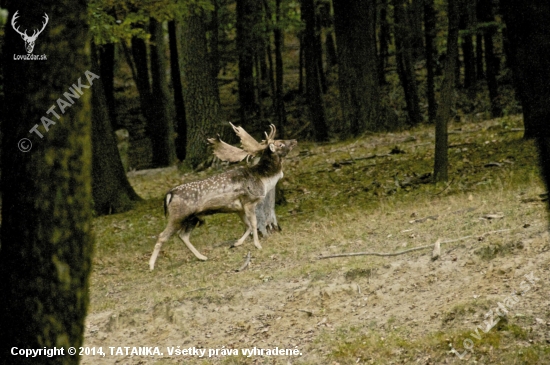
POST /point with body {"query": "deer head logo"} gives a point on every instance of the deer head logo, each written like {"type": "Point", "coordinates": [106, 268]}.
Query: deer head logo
{"type": "Point", "coordinates": [29, 40]}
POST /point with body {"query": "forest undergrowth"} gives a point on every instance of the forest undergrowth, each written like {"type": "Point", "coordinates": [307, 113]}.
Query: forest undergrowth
{"type": "Point", "coordinates": [370, 194]}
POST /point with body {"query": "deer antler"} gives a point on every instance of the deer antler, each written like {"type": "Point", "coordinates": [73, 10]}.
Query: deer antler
{"type": "Point", "coordinates": [269, 138]}
{"type": "Point", "coordinates": [13, 19]}
{"type": "Point", "coordinates": [248, 143]}
{"type": "Point", "coordinates": [225, 151]}
{"type": "Point", "coordinates": [43, 26]}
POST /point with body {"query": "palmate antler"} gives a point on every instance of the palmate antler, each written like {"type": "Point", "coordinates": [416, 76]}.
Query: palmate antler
{"type": "Point", "coordinates": [250, 147]}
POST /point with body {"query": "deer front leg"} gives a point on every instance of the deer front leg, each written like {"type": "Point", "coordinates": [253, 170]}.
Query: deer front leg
{"type": "Point", "coordinates": [163, 237]}
{"type": "Point", "coordinates": [184, 234]}
{"type": "Point", "coordinates": [250, 211]}
{"type": "Point", "coordinates": [246, 222]}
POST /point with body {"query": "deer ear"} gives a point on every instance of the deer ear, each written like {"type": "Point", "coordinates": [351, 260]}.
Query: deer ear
{"type": "Point", "coordinates": [272, 147]}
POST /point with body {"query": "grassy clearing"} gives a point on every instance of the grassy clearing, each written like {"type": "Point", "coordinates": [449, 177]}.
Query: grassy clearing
{"type": "Point", "coordinates": [370, 194]}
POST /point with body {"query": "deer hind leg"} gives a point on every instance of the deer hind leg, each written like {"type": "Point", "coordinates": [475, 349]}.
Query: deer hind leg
{"type": "Point", "coordinates": [246, 222]}
{"type": "Point", "coordinates": [163, 237]}
{"type": "Point", "coordinates": [250, 211]}
{"type": "Point", "coordinates": [188, 226]}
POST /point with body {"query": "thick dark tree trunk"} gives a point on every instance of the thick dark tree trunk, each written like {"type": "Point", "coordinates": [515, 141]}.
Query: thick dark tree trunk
{"type": "Point", "coordinates": [139, 53]}
{"type": "Point", "coordinates": [528, 32]}
{"type": "Point", "coordinates": [384, 41]}
{"type": "Point", "coordinates": [199, 88]}
{"type": "Point", "coordinates": [431, 56]}
{"type": "Point", "coordinates": [441, 159]}
{"type": "Point", "coordinates": [404, 43]}
{"type": "Point", "coordinates": [357, 65]}
{"type": "Point", "coordinates": [181, 123]}
{"type": "Point", "coordinates": [46, 234]}
{"type": "Point", "coordinates": [107, 74]}
{"type": "Point", "coordinates": [248, 18]}
{"type": "Point", "coordinates": [528, 56]}
{"type": "Point", "coordinates": [314, 92]}
{"type": "Point", "coordinates": [161, 126]}
{"type": "Point", "coordinates": [111, 191]}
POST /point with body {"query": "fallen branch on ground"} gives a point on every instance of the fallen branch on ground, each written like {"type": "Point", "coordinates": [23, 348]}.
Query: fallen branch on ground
{"type": "Point", "coordinates": [409, 250]}
{"type": "Point", "coordinates": [245, 265]}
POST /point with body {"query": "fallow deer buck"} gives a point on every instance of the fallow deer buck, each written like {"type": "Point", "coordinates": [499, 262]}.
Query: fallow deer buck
{"type": "Point", "coordinates": [234, 191]}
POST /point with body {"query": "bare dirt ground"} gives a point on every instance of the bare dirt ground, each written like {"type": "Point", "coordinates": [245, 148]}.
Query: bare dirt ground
{"type": "Point", "coordinates": [405, 309]}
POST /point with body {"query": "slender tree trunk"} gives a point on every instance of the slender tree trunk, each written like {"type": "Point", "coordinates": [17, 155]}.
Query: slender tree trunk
{"type": "Point", "coordinates": [528, 32]}
{"type": "Point", "coordinates": [248, 18]}
{"type": "Point", "coordinates": [314, 92]}
{"type": "Point", "coordinates": [480, 72]}
{"type": "Point", "coordinates": [214, 40]}
{"type": "Point", "coordinates": [327, 23]}
{"type": "Point", "coordinates": [161, 126]}
{"type": "Point", "coordinates": [467, 22]}
{"type": "Point", "coordinates": [441, 161]}
{"type": "Point", "coordinates": [107, 73]}
{"type": "Point", "coordinates": [279, 44]}
{"type": "Point", "coordinates": [319, 51]}
{"type": "Point", "coordinates": [431, 56]}
{"type": "Point", "coordinates": [111, 191]}
{"type": "Point", "coordinates": [199, 89]}
{"type": "Point", "coordinates": [405, 62]}
{"type": "Point", "coordinates": [384, 40]}
{"type": "Point", "coordinates": [46, 233]}
{"type": "Point", "coordinates": [181, 123]}
{"type": "Point", "coordinates": [491, 61]}
{"type": "Point", "coordinates": [301, 64]}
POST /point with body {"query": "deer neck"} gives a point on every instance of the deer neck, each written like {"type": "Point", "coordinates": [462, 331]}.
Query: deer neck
{"type": "Point", "coordinates": [270, 164]}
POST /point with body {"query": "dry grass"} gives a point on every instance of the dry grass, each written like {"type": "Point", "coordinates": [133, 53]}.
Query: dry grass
{"type": "Point", "coordinates": [345, 310]}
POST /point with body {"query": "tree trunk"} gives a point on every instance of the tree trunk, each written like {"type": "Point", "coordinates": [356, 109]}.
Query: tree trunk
{"type": "Point", "coordinates": [279, 44]}
{"type": "Point", "coordinates": [357, 65]}
{"type": "Point", "coordinates": [467, 23]}
{"type": "Point", "coordinates": [528, 57]}
{"type": "Point", "coordinates": [46, 233]}
{"type": "Point", "coordinates": [139, 53]}
{"type": "Point", "coordinates": [111, 191]}
{"type": "Point", "coordinates": [485, 12]}
{"type": "Point", "coordinates": [384, 40]}
{"type": "Point", "coordinates": [327, 23]}
{"type": "Point", "coordinates": [107, 74]}
{"type": "Point", "coordinates": [480, 72]}
{"type": "Point", "coordinates": [174, 32]}
{"type": "Point", "coordinates": [441, 160]}
{"type": "Point", "coordinates": [404, 57]}
{"type": "Point", "coordinates": [319, 51]}
{"type": "Point", "coordinates": [528, 32]}
{"type": "Point", "coordinates": [431, 56]}
{"type": "Point", "coordinates": [161, 126]}
{"type": "Point", "coordinates": [214, 40]}
{"type": "Point", "coordinates": [199, 89]}
{"type": "Point", "coordinates": [314, 92]}
{"type": "Point", "coordinates": [301, 64]}
{"type": "Point", "coordinates": [248, 18]}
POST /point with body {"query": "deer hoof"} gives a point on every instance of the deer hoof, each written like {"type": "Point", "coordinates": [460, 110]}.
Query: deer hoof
{"type": "Point", "coordinates": [202, 257]}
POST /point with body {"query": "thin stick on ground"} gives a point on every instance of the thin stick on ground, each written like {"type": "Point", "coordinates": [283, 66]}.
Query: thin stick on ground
{"type": "Point", "coordinates": [246, 263]}
{"type": "Point", "coordinates": [409, 250]}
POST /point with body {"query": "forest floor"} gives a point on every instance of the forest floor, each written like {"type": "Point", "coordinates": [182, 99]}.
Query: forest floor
{"type": "Point", "coordinates": [372, 194]}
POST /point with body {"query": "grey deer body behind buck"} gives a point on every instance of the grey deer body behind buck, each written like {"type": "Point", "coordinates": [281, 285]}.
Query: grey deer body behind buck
{"type": "Point", "coordinates": [234, 191]}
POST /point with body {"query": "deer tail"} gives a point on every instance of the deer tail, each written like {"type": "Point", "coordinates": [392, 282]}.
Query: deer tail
{"type": "Point", "coordinates": [167, 200]}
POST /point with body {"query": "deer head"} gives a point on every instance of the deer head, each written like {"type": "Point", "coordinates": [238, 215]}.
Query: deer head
{"type": "Point", "coordinates": [249, 146]}
{"type": "Point", "coordinates": [29, 40]}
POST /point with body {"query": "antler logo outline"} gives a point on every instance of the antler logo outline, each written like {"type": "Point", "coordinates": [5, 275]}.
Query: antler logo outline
{"type": "Point", "coordinates": [29, 40]}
